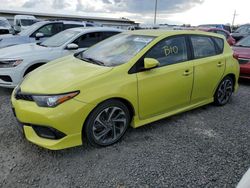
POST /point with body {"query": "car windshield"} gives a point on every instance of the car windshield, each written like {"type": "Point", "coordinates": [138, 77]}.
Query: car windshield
{"type": "Point", "coordinates": [60, 38]}
{"type": "Point", "coordinates": [116, 50]}
{"type": "Point", "coordinates": [245, 42]}
{"type": "Point", "coordinates": [4, 23]}
{"type": "Point", "coordinates": [27, 22]}
{"type": "Point", "coordinates": [31, 29]}
{"type": "Point", "coordinates": [242, 29]}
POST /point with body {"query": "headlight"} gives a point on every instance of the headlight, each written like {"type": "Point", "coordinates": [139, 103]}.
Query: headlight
{"type": "Point", "coordinates": [10, 63]}
{"type": "Point", "coordinates": [53, 100]}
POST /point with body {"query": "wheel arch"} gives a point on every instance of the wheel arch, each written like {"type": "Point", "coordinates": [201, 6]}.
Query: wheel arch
{"type": "Point", "coordinates": [233, 77]}
{"type": "Point", "coordinates": [33, 67]}
{"type": "Point", "coordinates": [126, 102]}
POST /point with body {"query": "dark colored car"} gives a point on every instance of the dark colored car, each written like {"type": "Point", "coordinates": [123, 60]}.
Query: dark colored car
{"type": "Point", "coordinates": [231, 41]}
{"type": "Point", "coordinates": [241, 32]}
{"type": "Point", "coordinates": [218, 26]}
{"type": "Point", "coordinates": [242, 49]}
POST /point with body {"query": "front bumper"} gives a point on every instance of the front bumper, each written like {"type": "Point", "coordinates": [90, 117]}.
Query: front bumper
{"type": "Point", "coordinates": [10, 77]}
{"type": "Point", "coordinates": [68, 118]}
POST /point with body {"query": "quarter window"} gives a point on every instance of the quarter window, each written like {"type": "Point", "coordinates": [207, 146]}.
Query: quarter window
{"type": "Point", "coordinates": [169, 51]}
{"type": "Point", "coordinates": [220, 44]}
{"type": "Point", "coordinates": [203, 46]}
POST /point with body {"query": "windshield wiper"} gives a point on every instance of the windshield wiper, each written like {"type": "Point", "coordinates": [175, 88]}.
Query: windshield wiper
{"type": "Point", "coordinates": [91, 60]}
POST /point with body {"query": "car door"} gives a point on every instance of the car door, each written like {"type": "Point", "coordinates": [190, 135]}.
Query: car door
{"type": "Point", "coordinates": [209, 66]}
{"type": "Point", "coordinates": [167, 87]}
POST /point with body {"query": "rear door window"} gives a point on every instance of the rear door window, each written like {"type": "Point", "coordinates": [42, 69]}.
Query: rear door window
{"type": "Point", "coordinates": [88, 39]}
{"type": "Point", "coordinates": [203, 46]}
{"type": "Point", "coordinates": [68, 26]}
{"type": "Point", "coordinates": [108, 34]}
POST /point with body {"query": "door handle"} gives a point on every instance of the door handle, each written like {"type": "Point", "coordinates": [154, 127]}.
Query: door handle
{"type": "Point", "coordinates": [220, 64]}
{"type": "Point", "coordinates": [187, 73]}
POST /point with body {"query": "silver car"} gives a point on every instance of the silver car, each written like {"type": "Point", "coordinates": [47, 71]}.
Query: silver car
{"type": "Point", "coordinates": [17, 61]}
{"type": "Point", "coordinates": [38, 32]}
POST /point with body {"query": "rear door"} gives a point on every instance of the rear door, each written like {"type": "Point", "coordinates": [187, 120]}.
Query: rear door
{"type": "Point", "coordinates": [209, 66]}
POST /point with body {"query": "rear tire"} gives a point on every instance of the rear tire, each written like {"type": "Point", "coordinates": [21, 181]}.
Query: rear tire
{"type": "Point", "coordinates": [107, 123]}
{"type": "Point", "coordinates": [224, 91]}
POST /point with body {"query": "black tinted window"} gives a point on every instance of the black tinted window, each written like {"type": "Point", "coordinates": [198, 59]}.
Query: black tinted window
{"type": "Point", "coordinates": [203, 46]}
{"type": "Point", "coordinates": [50, 29]}
{"type": "Point", "coordinates": [88, 40]}
{"type": "Point", "coordinates": [169, 51]}
{"type": "Point", "coordinates": [108, 34]}
{"type": "Point", "coordinates": [220, 44]}
{"type": "Point", "coordinates": [68, 26]}
{"type": "Point", "coordinates": [89, 25]}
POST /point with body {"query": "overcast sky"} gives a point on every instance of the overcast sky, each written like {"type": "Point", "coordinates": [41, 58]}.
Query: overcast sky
{"type": "Point", "coordinates": [169, 11]}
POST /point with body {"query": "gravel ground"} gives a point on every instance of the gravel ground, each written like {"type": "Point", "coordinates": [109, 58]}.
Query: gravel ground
{"type": "Point", "coordinates": [206, 147]}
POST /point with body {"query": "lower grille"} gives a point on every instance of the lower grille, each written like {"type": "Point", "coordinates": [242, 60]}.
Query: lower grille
{"type": "Point", "coordinates": [4, 31]}
{"type": "Point", "coordinates": [6, 78]}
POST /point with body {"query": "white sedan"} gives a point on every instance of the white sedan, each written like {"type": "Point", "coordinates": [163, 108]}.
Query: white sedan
{"type": "Point", "coordinates": [17, 61]}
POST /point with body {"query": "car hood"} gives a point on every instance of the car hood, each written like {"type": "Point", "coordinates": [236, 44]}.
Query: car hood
{"type": "Point", "coordinates": [10, 40]}
{"type": "Point", "coordinates": [4, 28]}
{"type": "Point", "coordinates": [22, 50]}
{"type": "Point", "coordinates": [62, 75]}
{"type": "Point", "coordinates": [242, 52]}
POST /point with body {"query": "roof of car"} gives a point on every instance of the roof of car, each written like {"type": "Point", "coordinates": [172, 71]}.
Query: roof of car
{"type": "Point", "coordinates": [160, 32]}
{"type": "Point", "coordinates": [61, 21]}
{"type": "Point", "coordinates": [212, 29]}
{"type": "Point", "coordinates": [95, 29]}
{"type": "Point", "coordinates": [3, 18]}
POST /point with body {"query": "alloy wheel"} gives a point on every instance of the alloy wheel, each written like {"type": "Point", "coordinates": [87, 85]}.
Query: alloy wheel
{"type": "Point", "coordinates": [225, 91]}
{"type": "Point", "coordinates": [109, 125]}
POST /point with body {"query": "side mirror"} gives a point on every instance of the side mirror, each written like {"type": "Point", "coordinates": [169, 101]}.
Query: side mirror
{"type": "Point", "coordinates": [150, 63]}
{"type": "Point", "coordinates": [72, 46]}
{"type": "Point", "coordinates": [39, 35]}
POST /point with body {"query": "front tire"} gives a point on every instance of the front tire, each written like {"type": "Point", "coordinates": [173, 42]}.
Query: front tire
{"type": "Point", "coordinates": [224, 91]}
{"type": "Point", "coordinates": [107, 123]}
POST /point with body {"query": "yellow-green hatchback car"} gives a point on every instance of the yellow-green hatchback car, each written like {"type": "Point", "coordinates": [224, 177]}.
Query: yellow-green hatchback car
{"type": "Point", "coordinates": [133, 78]}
